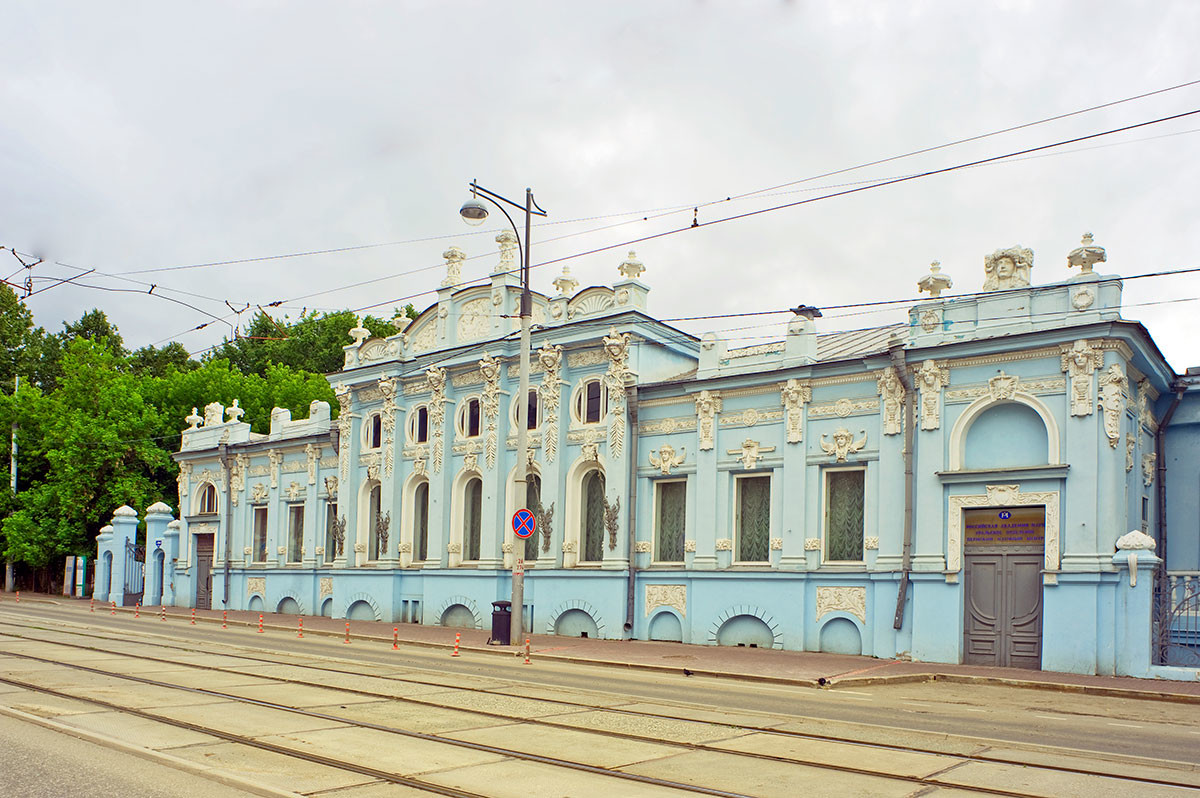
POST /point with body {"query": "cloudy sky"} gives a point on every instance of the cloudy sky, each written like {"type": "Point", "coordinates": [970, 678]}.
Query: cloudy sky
{"type": "Point", "coordinates": [139, 139]}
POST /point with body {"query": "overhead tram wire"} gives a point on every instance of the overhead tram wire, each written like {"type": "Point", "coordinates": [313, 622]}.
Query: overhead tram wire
{"type": "Point", "coordinates": [810, 200]}
{"type": "Point", "coordinates": [412, 367]}
{"type": "Point", "coordinates": [683, 207]}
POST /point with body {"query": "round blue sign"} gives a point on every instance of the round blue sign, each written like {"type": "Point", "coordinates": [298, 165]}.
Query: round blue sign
{"type": "Point", "coordinates": [1005, 514]}
{"type": "Point", "coordinates": [523, 523]}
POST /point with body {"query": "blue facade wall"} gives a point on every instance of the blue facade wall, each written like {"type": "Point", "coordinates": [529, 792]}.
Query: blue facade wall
{"type": "Point", "coordinates": [1026, 397]}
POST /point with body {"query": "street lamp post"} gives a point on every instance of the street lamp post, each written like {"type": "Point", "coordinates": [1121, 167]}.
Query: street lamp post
{"type": "Point", "coordinates": [475, 212]}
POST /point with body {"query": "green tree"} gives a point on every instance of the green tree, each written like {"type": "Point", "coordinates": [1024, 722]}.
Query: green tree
{"type": "Point", "coordinates": [97, 433]}
{"type": "Point", "coordinates": [154, 362]}
{"type": "Point", "coordinates": [312, 342]}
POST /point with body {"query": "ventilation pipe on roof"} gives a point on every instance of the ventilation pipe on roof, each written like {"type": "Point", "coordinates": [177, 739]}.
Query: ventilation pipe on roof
{"type": "Point", "coordinates": [896, 351]}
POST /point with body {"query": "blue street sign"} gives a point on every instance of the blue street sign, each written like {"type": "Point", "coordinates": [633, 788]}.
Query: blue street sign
{"type": "Point", "coordinates": [523, 523]}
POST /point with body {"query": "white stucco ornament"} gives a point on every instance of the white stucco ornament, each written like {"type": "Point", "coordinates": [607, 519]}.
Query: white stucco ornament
{"type": "Point", "coordinates": [665, 458]}
{"type": "Point", "coordinates": [631, 268]}
{"type": "Point", "coordinates": [1135, 540]}
{"type": "Point", "coordinates": [195, 419]}
{"type": "Point", "coordinates": [565, 284]}
{"type": "Point", "coordinates": [843, 443]}
{"type": "Point", "coordinates": [1007, 268]}
{"type": "Point", "coordinates": [935, 282]}
{"type": "Point", "coordinates": [358, 332]}
{"type": "Point", "coordinates": [1086, 255]}
{"type": "Point", "coordinates": [454, 260]}
{"type": "Point", "coordinates": [1132, 542]}
{"type": "Point", "coordinates": [233, 413]}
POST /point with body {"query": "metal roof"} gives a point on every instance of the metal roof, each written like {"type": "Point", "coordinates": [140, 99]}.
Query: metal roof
{"type": "Point", "coordinates": [857, 343]}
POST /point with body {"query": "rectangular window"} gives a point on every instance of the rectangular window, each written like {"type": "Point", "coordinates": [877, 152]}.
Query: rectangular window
{"type": "Point", "coordinates": [753, 520]}
{"type": "Point", "coordinates": [473, 418]}
{"type": "Point", "coordinates": [295, 532]}
{"type": "Point", "coordinates": [670, 506]}
{"type": "Point", "coordinates": [330, 525]}
{"type": "Point", "coordinates": [260, 534]}
{"type": "Point", "coordinates": [845, 499]}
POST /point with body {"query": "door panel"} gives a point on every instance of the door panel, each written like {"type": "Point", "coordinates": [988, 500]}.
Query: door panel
{"type": "Point", "coordinates": [1003, 609]}
{"type": "Point", "coordinates": [204, 556]}
{"type": "Point", "coordinates": [1024, 588]}
{"type": "Point", "coordinates": [984, 586]}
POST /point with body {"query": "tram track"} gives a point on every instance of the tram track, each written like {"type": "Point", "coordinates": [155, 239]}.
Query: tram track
{"type": "Point", "coordinates": [952, 759]}
{"type": "Point", "coordinates": [609, 709]}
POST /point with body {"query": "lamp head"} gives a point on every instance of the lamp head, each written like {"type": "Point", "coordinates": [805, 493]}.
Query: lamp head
{"type": "Point", "coordinates": [473, 212]}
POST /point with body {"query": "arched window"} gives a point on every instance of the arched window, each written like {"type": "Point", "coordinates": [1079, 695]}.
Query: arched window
{"type": "Point", "coordinates": [591, 402]}
{"type": "Point", "coordinates": [593, 516]}
{"type": "Point", "coordinates": [418, 425]}
{"type": "Point", "coordinates": [373, 431]}
{"type": "Point", "coordinates": [208, 499]}
{"type": "Point", "coordinates": [472, 518]}
{"type": "Point", "coordinates": [532, 410]}
{"type": "Point", "coordinates": [533, 503]}
{"type": "Point", "coordinates": [468, 419]}
{"type": "Point", "coordinates": [373, 521]}
{"type": "Point", "coordinates": [421, 522]}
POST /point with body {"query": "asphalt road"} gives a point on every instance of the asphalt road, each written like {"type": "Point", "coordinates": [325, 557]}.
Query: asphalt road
{"type": "Point", "coordinates": [40, 763]}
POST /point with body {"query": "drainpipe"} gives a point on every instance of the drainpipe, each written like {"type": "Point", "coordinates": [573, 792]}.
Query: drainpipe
{"type": "Point", "coordinates": [633, 461]}
{"type": "Point", "coordinates": [228, 525]}
{"type": "Point", "coordinates": [897, 355]}
{"type": "Point", "coordinates": [1160, 452]}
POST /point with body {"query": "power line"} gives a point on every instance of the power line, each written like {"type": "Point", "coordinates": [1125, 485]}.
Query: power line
{"type": "Point", "coordinates": [678, 208]}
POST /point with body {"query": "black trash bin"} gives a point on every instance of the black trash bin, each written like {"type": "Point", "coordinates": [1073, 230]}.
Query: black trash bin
{"type": "Point", "coordinates": [501, 623]}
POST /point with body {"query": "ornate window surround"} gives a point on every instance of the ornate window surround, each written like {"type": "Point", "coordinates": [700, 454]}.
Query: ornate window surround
{"type": "Point", "coordinates": [572, 526]}
{"type": "Point", "coordinates": [962, 425]}
{"type": "Point", "coordinates": [1003, 496]}
{"type": "Point", "coordinates": [735, 521]}
{"type": "Point", "coordinates": [856, 564]}
{"type": "Point", "coordinates": [408, 522]}
{"type": "Point", "coordinates": [203, 491]}
{"type": "Point", "coordinates": [655, 483]}
{"type": "Point", "coordinates": [579, 397]}
{"type": "Point", "coordinates": [461, 420]}
{"type": "Point", "coordinates": [413, 421]}
{"type": "Point", "coordinates": [368, 429]}
{"type": "Point", "coordinates": [512, 409]}
{"type": "Point", "coordinates": [457, 543]}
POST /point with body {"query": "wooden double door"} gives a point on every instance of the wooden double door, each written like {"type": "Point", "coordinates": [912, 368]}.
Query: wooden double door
{"type": "Point", "coordinates": [1004, 609]}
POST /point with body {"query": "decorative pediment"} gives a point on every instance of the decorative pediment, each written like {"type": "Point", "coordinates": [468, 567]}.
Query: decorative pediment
{"type": "Point", "coordinates": [596, 299]}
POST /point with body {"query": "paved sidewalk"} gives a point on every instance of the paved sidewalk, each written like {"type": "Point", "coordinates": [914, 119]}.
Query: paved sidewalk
{"type": "Point", "coordinates": [791, 667]}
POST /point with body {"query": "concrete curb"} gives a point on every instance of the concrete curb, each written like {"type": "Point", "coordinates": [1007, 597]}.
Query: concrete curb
{"type": "Point", "coordinates": [218, 775]}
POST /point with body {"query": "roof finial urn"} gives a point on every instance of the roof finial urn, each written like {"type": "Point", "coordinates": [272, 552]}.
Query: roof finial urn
{"type": "Point", "coordinates": [935, 282]}
{"type": "Point", "coordinates": [631, 268]}
{"type": "Point", "coordinates": [1086, 255]}
{"type": "Point", "coordinates": [358, 332]}
{"type": "Point", "coordinates": [565, 284]}
{"type": "Point", "coordinates": [454, 260]}
{"type": "Point", "coordinates": [508, 252]}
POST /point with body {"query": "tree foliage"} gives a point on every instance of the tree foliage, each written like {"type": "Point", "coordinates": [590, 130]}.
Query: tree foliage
{"type": "Point", "coordinates": [97, 424]}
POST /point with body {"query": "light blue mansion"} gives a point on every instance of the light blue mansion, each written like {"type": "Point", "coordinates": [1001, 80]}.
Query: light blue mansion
{"type": "Point", "coordinates": [982, 484]}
